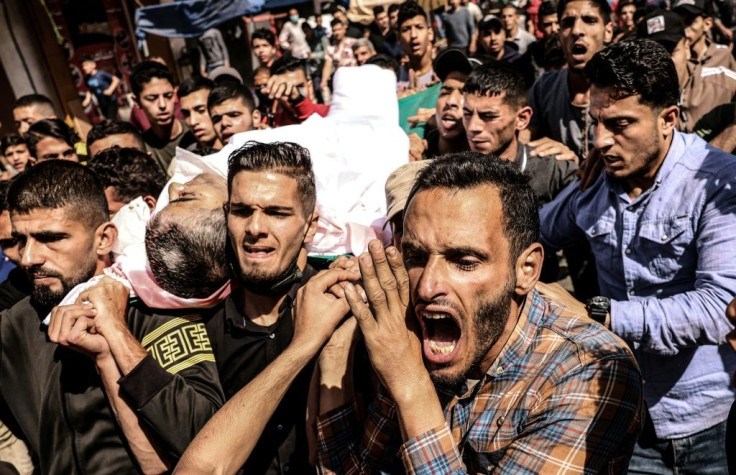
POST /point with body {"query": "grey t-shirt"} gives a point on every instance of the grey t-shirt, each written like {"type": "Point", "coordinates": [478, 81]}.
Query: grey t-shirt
{"type": "Point", "coordinates": [555, 117]}
{"type": "Point", "coordinates": [459, 27]}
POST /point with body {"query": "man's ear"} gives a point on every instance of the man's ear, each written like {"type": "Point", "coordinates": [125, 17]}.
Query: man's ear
{"type": "Point", "coordinates": [608, 34]}
{"type": "Point", "coordinates": [150, 201]}
{"type": "Point", "coordinates": [668, 119]}
{"type": "Point", "coordinates": [256, 116]}
{"type": "Point", "coordinates": [528, 268]}
{"type": "Point", "coordinates": [312, 229]}
{"type": "Point", "coordinates": [106, 235]}
{"type": "Point", "coordinates": [523, 117]}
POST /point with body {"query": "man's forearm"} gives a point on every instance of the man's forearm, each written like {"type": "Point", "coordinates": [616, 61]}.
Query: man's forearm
{"type": "Point", "coordinates": [226, 441]}
{"type": "Point", "coordinates": [726, 140]}
{"type": "Point", "coordinates": [418, 406]}
{"type": "Point", "coordinates": [126, 349]}
{"type": "Point", "coordinates": [140, 444]}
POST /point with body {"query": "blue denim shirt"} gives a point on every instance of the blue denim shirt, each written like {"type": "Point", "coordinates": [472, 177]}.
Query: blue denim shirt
{"type": "Point", "coordinates": [667, 260]}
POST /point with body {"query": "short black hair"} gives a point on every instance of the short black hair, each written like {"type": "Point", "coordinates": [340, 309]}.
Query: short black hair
{"type": "Point", "coordinates": [85, 57]}
{"type": "Point", "coordinates": [145, 71]}
{"type": "Point", "coordinates": [264, 34]}
{"type": "Point", "coordinates": [32, 100]}
{"type": "Point", "coordinates": [385, 61]}
{"type": "Point", "coordinates": [466, 170]}
{"type": "Point", "coordinates": [496, 78]}
{"type": "Point", "coordinates": [284, 158]}
{"type": "Point", "coordinates": [636, 67]}
{"type": "Point", "coordinates": [54, 184]}
{"type": "Point", "coordinates": [4, 185]}
{"type": "Point", "coordinates": [194, 84]}
{"type": "Point", "coordinates": [11, 140]}
{"type": "Point", "coordinates": [335, 21]}
{"type": "Point", "coordinates": [55, 128]}
{"type": "Point", "coordinates": [393, 7]}
{"type": "Point", "coordinates": [131, 172]}
{"type": "Point", "coordinates": [227, 91]}
{"type": "Point", "coordinates": [409, 10]}
{"type": "Point", "coordinates": [287, 64]}
{"type": "Point", "coordinates": [109, 127]}
{"type": "Point", "coordinates": [547, 8]}
{"type": "Point", "coordinates": [378, 9]}
{"type": "Point", "coordinates": [602, 5]}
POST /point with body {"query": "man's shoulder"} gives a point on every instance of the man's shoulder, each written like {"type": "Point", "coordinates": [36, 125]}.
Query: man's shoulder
{"type": "Point", "coordinates": [546, 88]}
{"type": "Point", "coordinates": [704, 159]}
{"type": "Point", "coordinates": [587, 342]}
{"type": "Point", "coordinates": [176, 339]}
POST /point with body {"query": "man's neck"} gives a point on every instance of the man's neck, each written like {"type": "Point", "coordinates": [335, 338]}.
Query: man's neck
{"type": "Point", "coordinates": [493, 353]}
{"type": "Point", "coordinates": [699, 48]}
{"type": "Point", "coordinates": [579, 87]}
{"type": "Point", "coordinates": [423, 64]}
{"type": "Point", "coordinates": [511, 34]}
{"type": "Point", "coordinates": [509, 152]}
{"type": "Point", "coordinates": [263, 310]}
{"type": "Point", "coordinates": [166, 132]}
{"type": "Point", "coordinates": [459, 144]}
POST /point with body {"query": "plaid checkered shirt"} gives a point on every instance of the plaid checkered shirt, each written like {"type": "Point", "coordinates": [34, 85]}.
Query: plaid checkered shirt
{"type": "Point", "coordinates": [564, 395]}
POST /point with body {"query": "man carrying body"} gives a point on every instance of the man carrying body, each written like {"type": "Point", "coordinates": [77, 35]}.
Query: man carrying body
{"type": "Point", "coordinates": [154, 91]}
{"type": "Point", "coordinates": [452, 67]}
{"type": "Point", "coordinates": [270, 220]}
{"type": "Point", "coordinates": [479, 372]}
{"type": "Point", "coordinates": [111, 133]}
{"type": "Point", "coordinates": [193, 94]}
{"type": "Point", "coordinates": [660, 222]}
{"type": "Point", "coordinates": [75, 420]}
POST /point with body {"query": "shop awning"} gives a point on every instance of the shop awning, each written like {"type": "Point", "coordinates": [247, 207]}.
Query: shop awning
{"type": "Point", "coordinates": [191, 18]}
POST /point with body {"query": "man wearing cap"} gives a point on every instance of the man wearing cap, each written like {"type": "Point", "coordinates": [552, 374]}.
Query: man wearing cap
{"type": "Point", "coordinates": [711, 78]}
{"type": "Point", "coordinates": [398, 186]}
{"type": "Point", "coordinates": [493, 44]}
{"type": "Point", "coordinates": [452, 67]}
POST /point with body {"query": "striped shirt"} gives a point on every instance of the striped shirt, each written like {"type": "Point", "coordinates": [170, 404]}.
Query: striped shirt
{"type": "Point", "coordinates": [564, 395]}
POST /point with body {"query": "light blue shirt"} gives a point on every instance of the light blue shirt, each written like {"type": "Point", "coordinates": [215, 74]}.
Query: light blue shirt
{"type": "Point", "coordinates": [667, 260]}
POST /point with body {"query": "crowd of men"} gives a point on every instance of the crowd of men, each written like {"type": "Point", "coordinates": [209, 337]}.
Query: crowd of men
{"type": "Point", "coordinates": [152, 323]}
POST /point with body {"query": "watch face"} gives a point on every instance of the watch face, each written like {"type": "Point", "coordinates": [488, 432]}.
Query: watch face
{"type": "Point", "coordinates": [599, 301]}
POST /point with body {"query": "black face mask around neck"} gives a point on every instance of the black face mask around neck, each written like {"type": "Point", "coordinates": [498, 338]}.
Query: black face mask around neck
{"type": "Point", "coordinates": [279, 284]}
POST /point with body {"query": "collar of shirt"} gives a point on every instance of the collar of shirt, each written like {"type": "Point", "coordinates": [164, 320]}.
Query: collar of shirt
{"type": "Point", "coordinates": [235, 318]}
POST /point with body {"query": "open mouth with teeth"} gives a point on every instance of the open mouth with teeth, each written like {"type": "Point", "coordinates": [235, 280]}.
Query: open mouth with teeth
{"type": "Point", "coordinates": [258, 252]}
{"type": "Point", "coordinates": [441, 336]}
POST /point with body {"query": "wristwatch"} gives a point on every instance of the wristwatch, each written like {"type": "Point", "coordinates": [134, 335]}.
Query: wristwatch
{"type": "Point", "coordinates": [598, 307]}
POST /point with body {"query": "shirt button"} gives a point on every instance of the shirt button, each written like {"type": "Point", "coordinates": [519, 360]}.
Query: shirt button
{"type": "Point", "coordinates": [500, 420]}
{"type": "Point", "coordinates": [499, 370]}
{"type": "Point", "coordinates": [664, 237]}
{"type": "Point", "coordinates": [286, 468]}
{"type": "Point", "coordinates": [631, 292]}
{"type": "Point", "coordinates": [593, 232]}
{"type": "Point", "coordinates": [628, 251]}
{"type": "Point", "coordinates": [272, 336]}
{"type": "Point", "coordinates": [279, 427]}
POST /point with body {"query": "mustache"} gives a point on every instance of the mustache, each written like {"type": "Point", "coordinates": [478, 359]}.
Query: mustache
{"type": "Point", "coordinates": [36, 271]}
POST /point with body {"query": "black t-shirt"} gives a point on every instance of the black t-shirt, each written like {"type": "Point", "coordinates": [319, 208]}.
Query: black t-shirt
{"type": "Point", "coordinates": [243, 350]}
